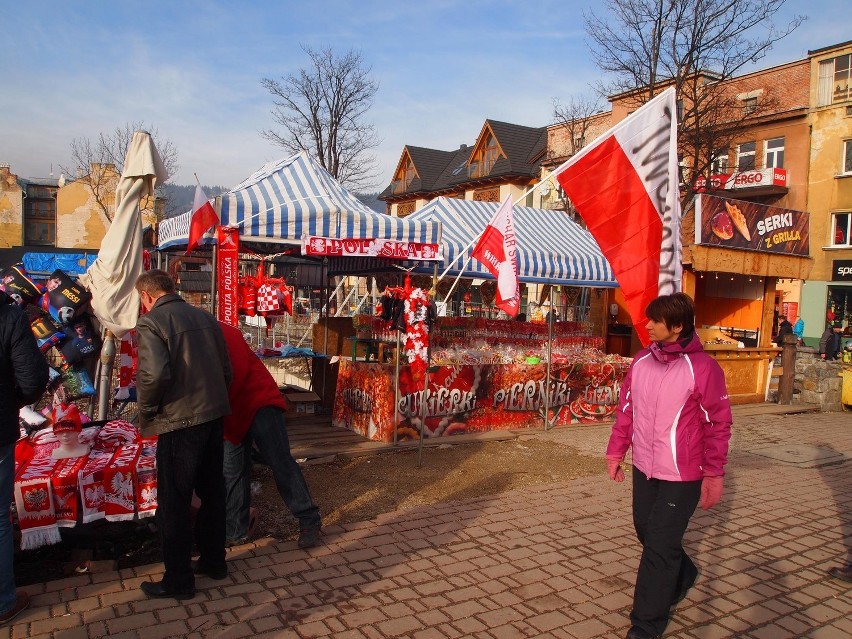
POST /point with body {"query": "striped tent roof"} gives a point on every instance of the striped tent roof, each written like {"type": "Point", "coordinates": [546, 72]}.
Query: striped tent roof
{"type": "Point", "coordinates": [552, 248]}
{"type": "Point", "coordinates": [296, 196]}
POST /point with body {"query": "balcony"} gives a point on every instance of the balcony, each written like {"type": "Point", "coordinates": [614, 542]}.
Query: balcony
{"type": "Point", "coordinates": [400, 186]}
{"type": "Point", "coordinates": [479, 169]}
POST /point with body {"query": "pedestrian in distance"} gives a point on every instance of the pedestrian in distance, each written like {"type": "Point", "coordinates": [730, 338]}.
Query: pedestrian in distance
{"type": "Point", "coordinates": [257, 423]}
{"type": "Point", "coordinates": [182, 393]}
{"type": "Point", "coordinates": [674, 412]}
{"type": "Point", "coordinates": [23, 377]}
{"type": "Point", "coordinates": [784, 328]}
{"type": "Point", "coordinates": [829, 342]}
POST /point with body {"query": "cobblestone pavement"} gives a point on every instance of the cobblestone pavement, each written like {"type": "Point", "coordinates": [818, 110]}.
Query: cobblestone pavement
{"type": "Point", "coordinates": [552, 561]}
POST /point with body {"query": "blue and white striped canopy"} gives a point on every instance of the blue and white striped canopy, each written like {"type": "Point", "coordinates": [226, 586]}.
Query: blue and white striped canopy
{"type": "Point", "coordinates": [552, 248]}
{"type": "Point", "coordinates": [296, 196]}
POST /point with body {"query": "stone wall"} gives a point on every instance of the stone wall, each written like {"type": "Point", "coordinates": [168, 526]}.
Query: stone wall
{"type": "Point", "coordinates": [817, 381]}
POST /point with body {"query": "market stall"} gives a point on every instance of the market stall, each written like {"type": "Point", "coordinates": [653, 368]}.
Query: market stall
{"type": "Point", "coordinates": [485, 375]}
{"type": "Point", "coordinates": [488, 374]}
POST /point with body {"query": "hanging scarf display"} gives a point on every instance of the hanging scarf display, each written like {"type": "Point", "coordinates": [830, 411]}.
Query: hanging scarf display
{"type": "Point", "coordinates": [127, 363]}
{"type": "Point", "coordinates": [34, 503]}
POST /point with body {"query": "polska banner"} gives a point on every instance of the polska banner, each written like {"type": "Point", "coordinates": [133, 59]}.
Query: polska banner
{"type": "Point", "coordinates": [317, 246]}
{"type": "Point", "coordinates": [227, 273]}
{"type": "Point", "coordinates": [625, 186]}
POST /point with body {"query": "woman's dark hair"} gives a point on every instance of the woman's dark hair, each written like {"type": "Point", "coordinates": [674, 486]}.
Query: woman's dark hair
{"type": "Point", "coordinates": [676, 309]}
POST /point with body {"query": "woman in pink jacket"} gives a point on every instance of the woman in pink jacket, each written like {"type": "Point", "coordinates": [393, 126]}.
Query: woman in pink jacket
{"type": "Point", "coordinates": [674, 412]}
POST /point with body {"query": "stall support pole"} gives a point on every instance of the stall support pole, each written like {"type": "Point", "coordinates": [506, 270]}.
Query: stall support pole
{"type": "Point", "coordinates": [547, 380]}
{"type": "Point", "coordinates": [106, 364]}
{"type": "Point", "coordinates": [423, 406]}
{"type": "Point", "coordinates": [325, 332]}
{"type": "Point", "coordinates": [214, 309]}
{"type": "Point", "coordinates": [396, 392]}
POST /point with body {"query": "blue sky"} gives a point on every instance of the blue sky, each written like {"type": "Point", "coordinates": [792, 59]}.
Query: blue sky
{"type": "Point", "coordinates": [193, 71]}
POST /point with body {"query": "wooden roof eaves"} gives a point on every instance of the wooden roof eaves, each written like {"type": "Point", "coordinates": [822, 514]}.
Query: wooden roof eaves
{"type": "Point", "coordinates": [480, 141]}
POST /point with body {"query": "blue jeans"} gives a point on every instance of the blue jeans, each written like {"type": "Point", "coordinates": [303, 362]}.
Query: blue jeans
{"type": "Point", "coordinates": [268, 433]}
{"type": "Point", "coordinates": [7, 551]}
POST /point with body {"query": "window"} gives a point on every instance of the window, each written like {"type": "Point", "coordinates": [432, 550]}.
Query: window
{"type": "Point", "coordinates": [745, 156]}
{"type": "Point", "coordinates": [39, 217]}
{"type": "Point", "coordinates": [485, 158]}
{"type": "Point", "coordinates": [749, 105]}
{"type": "Point", "coordinates": [833, 84]}
{"type": "Point", "coordinates": [679, 107]}
{"type": "Point", "coordinates": [847, 157]}
{"type": "Point", "coordinates": [719, 163]}
{"type": "Point", "coordinates": [406, 175]}
{"type": "Point", "coordinates": [774, 157]}
{"type": "Point", "coordinates": [840, 229]}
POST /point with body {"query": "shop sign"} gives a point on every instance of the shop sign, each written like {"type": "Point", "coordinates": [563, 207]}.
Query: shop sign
{"type": "Point", "coordinates": [371, 247]}
{"type": "Point", "coordinates": [841, 271]}
{"type": "Point", "coordinates": [729, 223]}
{"type": "Point", "coordinates": [743, 180]}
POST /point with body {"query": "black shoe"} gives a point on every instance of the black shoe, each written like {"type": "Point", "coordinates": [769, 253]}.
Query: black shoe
{"type": "Point", "coordinates": [230, 543]}
{"type": "Point", "coordinates": [636, 632]}
{"type": "Point", "coordinates": [156, 590]}
{"type": "Point", "coordinates": [22, 602]}
{"type": "Point", "coordinates": [844, 573]}
{"type": "Point", "coordinates": [681, 595]}
{"type": "Point", "coordinates": [309, 537]}
{"type": "Point", "coordinates": [219, 573]}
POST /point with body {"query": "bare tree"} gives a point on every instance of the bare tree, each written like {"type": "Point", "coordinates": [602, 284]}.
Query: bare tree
{"type": "Point", "coordinates": [574, 116]}
{"type": "Point", "coordinates": [696, 45]}
{"type": "Point", "coordinates": [322, 111]}
{"type": "Point", "coordinates": [91, 159]}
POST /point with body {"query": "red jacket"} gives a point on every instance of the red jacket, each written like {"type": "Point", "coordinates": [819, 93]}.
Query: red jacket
{"type": "Point", "coordinates": [252, 386]}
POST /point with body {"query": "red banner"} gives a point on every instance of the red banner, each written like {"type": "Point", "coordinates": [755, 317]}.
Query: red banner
{"type": "Point", "coordinates": [227, 273]}
{"type": "Point", "coordinates": [370, 247]}
{"type": "Point", "coordinates": [474, 398]}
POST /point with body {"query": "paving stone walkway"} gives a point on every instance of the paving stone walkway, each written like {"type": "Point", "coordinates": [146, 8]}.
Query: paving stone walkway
{"type": "Point", "coordinates": [550, 561]}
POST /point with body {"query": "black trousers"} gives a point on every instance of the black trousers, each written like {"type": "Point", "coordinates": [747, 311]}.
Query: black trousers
{"type": "Point", "coordinates": [190, 459]}
{"type": "Point", "coordinates": [661, 513]}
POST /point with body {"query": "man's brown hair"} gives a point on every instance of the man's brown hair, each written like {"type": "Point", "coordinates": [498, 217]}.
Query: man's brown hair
{"type": "Point", "coordinates": [154, 282]}
{"type": "Point", "coordinates": [672, 310]}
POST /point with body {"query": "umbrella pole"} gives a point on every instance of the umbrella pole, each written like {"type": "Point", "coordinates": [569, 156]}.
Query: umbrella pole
{"type": "Point", "coordinates": [106, 363]}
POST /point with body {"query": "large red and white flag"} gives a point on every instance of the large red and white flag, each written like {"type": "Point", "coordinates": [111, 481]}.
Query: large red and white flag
{"type": "Point", "coordinates": [625, 187]}
{"type": "Point", "coordinates": [497, 250]}
{"type": "Point", "coordinates": [203, 217]}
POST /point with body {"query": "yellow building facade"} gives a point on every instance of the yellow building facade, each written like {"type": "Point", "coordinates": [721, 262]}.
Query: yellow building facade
{"type": "Point", "coordinates": [827, 294]}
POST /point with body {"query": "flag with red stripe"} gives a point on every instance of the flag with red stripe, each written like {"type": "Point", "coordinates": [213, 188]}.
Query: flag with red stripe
{"type": "Point", "coordinates": [203, 218]}
{"type": "Point", "coordinates": [497, 250]}
{"type": "Point", "coordinates": [625, 187]}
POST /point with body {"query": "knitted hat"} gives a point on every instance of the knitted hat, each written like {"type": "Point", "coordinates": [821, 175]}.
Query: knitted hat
{"type": "Point", "coordinates": [66, 419]}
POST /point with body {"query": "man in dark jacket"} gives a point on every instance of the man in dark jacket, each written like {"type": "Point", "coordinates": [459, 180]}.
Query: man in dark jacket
{"type": "Point", "coordinates": [784, 328]}
{"type": "Point", "coordinates": [23, 377]}
{"type": "Point", "coordinates": [182, 394]}
{"type": "Point", "coordinates": [257, 417]}
{"type": "Point", "coordinates": [829, 342]}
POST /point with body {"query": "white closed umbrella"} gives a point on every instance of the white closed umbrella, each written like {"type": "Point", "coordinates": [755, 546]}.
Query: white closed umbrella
{"type": "Point", "coordinates": [111, 279]}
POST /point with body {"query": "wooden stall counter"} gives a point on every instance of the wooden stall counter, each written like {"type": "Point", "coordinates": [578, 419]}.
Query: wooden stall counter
{"type": "Point", "coordinates": [746, 371]}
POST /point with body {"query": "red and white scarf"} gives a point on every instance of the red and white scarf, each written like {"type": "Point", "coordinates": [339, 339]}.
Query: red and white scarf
{"type": "Point", "coordinates": [34, 503]}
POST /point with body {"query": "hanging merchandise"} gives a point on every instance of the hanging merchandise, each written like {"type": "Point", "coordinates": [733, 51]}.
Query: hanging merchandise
{"type": "Point", "coordinates": [228, 256]}
{"type": "Point", "coordinates": [18, 285]}
{"type": "Point", "coordinates": [127, 363]}
{"type": "Point", "coordinates": [64, 298]}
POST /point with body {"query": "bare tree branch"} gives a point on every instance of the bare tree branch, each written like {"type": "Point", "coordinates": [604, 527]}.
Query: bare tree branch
{"type": "Point", "coordinates": [90, 159]}
{"type": "Point", "coordinates": [322, 110]}
{"type": "Point", "coordinates": [697, 45]}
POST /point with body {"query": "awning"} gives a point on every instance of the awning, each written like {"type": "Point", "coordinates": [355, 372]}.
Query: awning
{"type": "Point", "coordinates": [552, 248]}
{"type": "Point", "coordinates": [296, 196]}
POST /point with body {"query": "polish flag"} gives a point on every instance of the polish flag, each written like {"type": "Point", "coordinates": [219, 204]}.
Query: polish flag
{"type": "Point", "coordinates": [497, 250]}
{"type": "Point", "coordinates": [203, 217]}
{"type": "Point", "coordinates": [625, 187]}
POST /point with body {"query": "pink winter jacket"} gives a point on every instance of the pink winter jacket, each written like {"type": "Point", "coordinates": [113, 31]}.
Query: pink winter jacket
{"type": "Point", "coordinates": [674, 411]}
